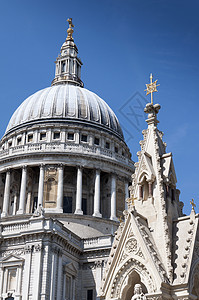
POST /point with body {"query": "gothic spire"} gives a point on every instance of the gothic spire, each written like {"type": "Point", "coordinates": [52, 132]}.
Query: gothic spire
{"type": "Point", "coordinates": [68, 65]}
{"type": "Point", "coordinates": [154, 183]}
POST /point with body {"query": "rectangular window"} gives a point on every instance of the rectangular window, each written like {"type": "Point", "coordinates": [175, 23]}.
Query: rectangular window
{"type": "Point", "coordinates": [42, 136]}
{"type": "Point", "coordinates": [107, 145]}
{"type": "Point", "coordinates": [116, 149]}
{"type": "Point", "coordinates": [89, 294]}
{"type": "Point", "coordinates": [63, 67]}
{"type": "Point", "coordinates": [96, 141]}
{"type": "Point", "coordinates": [56, 135]}
{"type": "Point", "coordinates": [30, 138]}
{"type": "Point", "coordinates": [12, 280]}
{"type": "Point", "coordinates": [19, 141]}
{"type": "Point", "coordinates": [67, 205]}
{"type": "Point", "coordinates": [84, 206]}
{"type": "Point", "coordinates": [71, 136]}
{"type": "Point", "coordinates": [84, 138]}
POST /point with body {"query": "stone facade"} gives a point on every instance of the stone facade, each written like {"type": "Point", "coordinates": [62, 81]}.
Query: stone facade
{"type": "Point", "coordinates": [155, 248]}
{"type": "Point", "coordinates": [65, 171]}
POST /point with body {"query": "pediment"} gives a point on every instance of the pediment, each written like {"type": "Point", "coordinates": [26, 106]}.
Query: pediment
{"type": "Point", "coordinates": [11, 260]}
{"type": "Point", "coordinates": [70, 269]}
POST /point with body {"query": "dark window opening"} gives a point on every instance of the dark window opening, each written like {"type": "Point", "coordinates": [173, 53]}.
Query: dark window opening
{"type": "Point", "coordinates": [56, 135]}
{"type": "Point", "coordinates": [30, 138]}
{"type": "Point", "coordinates": [89, 294]}
{"type": "Point", "coordinates": [84, 206]}
{"type": "Point", "coordinates": [107, 145]}
{"type": "Point", "coordinates": [84, 138]}
{"type": "Point", "coordinates": [42, 136]}
{"type": "Point", "coordinates": [67, 205]}
{"type": "Point", "coordinates": [116, 149]}
{"type": "Point", "coordinates": [10, 144]}
{"type": "Point", "coordinates": [63, 67]}
{"type": "Point", "coordinates": [71, 136]}
{"type": "Point", "coordinates": [19, 141]}
{"type": "Point", "coordinates": [96, 141]}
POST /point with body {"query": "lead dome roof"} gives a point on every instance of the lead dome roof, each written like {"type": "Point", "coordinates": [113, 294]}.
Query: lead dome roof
{"type": "Point", "coordinates": [65, 103]}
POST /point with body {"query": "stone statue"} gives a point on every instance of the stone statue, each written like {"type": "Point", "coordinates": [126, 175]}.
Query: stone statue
{"type": "Point", "coordinates": [138, 294]}
{"type": "Point", "coordinates": [39, 212]}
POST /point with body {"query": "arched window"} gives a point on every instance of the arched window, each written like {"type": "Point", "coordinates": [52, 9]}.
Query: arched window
{"type": "Point", "coordinates": [51, 194]}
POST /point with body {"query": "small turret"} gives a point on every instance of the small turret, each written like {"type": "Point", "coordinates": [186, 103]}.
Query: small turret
{"type": "Point", "coordinates": [68, 65]}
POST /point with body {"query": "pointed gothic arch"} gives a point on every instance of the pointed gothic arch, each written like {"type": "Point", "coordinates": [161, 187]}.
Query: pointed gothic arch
{"type": "Point", "coordinates": [131, 270]}
{"type": "Point", "coordinates": [128, 290]}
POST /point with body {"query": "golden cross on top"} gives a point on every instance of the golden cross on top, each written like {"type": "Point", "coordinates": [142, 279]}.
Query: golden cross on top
{"type": "Point", "coordinates": [70, 30]}
{"type": "Point", "coordinates": [192, 204]}
{"type": "Point", "coordinates": [151, 87]}
{"type": "Point", "coordinates": [70, 22]}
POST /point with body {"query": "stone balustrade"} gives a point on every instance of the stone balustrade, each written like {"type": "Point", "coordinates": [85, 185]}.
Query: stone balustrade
{"type": "Point", "coordinates": [99, 242]}
{"type": "Point", "coordinates": [65, 148]}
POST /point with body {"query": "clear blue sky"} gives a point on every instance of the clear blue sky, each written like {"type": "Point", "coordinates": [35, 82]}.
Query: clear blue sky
{"type": "Point", "coordinates": [120, 43]}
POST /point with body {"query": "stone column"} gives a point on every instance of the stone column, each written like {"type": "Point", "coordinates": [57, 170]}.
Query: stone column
{"type": "Point", "coordinates": [60, 189]}
{"type": "Point", "coordinates": [6, 195]}
{"type": "Point", "coordinates": [53, 273]}
{"type": "Point", "coordinates": [60, 276]}
{"type": "Point", "coordinates": [113, 198]}
{"type": "Point", "coordinates": [27, 269]}
{"type": "Point", "coordinates": [78, 210]}
{"type": "Point", "coordinates": [41, 187]}
{"type": "Point", "coordinates": [140, 192]}
{"type": "Point", "coordinates": [36, 281]}
{"type": "Point", "coordinates": [15, 205]}
{"type": "Point", "coordinates": [1, 281]}
{"type": "Point", "coordinates": [126, 193]}
{"type": "Point", "coordinates": [97, 195]}
{"type": "Point", "coordinates": [18, 287]}
{"type": "Point", "coordinates": [22, 197]}
{"type": "Point", "coordinates": [150, 190]}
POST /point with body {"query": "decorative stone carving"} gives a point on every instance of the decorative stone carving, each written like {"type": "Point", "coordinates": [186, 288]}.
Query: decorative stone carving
{"type": "Point", "coordinates": [138, 294]}
{"type": "Point", "coordinates": [39, 212]}
{"type": "Point", "coordinates": [27, 248]}
{"type": "Point", "coordinates": [37, 247]}
{"type": "Point", "coordinates": [13, 252]}
{"type": "Point", "coordinates": [123, 272]}
{"type": "Point", "coordinates": [131, 246]}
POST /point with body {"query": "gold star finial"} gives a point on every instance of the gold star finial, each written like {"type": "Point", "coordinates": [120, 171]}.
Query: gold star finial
{"type": "Point", "coordinates": [193, 204]}
{"type": "Point", "coordinates": [151, 87]}
{"type": "Point", "coordinates": [70, 29]}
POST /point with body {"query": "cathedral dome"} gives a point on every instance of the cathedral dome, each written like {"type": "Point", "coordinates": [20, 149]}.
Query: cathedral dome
{"type": "Point", "coordinates": [65, 103]}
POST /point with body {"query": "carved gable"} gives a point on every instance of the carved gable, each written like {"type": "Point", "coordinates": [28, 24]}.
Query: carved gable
{"type": "Point", "coordinates": [133, 258]}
